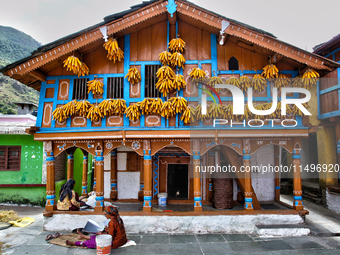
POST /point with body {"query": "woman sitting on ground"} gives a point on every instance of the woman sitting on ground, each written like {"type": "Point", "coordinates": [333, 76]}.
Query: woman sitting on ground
{"type": "Point", "coordinates": [69, 199]}
{"type": "Point", "coordinates": [115, 228]}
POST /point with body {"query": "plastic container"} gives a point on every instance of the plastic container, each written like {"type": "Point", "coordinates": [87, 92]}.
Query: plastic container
{"type": "Point", "coordinates": [104, 243]}
{"type": "Point", "coordinates": [162, 199]}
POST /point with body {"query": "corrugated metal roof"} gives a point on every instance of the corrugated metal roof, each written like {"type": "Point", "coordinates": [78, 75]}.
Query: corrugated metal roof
{"type": "Point", "coordinates": [318, 48]}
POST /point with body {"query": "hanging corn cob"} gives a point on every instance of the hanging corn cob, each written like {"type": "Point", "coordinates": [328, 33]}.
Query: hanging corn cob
{"type": "Point", "coordinates": [198, 113]}
{"type": "Point", "coordinates": [165, 86]}
{"type": "Point", "coordinates": [83, 107]}
{"type": "Point", "coordinates": [296, 110]}
{"type": "Point", "coordinates": [245, 82]}
{"type": "Point", "coordinates": [179, 104]}
{"type": "Point", "coordinates": [145, 105]}
{"type": "Point", "coordinates": [117, 56]}
{"type": "Point", "coordinates": [188, 115]}
{"type": "Point", "coordinates": [73, 64]}
{"type": "Point", "coordinates": [114, 52]}
{"type": "Point", "coordinates": [106, 107]}
{"type": "Point", "coordinates": [59, 114]}
{"type": "Point", "coordinates": [164, 58]}
{"type": "Point", "coordinates": [156, 106]}
{"type": "Point", "coordinates": [70, 108]}
{"type": "Point", "coordinates": [165, 72]}
{"type": "Point", "coordinates": [234, 81]}
{"type": "Point", "coordinates": [111, 45]}
{"type": "Point", "coordinates": [177, 59]}
{"type": "Point", "coordinates": [96, 86]}
{"type": "Point", "coordinates": [167, 110]}
{"type": "Point", "coordinates": [166, 77]}
{"type": "Point", "coordinates": [259, 82]}
{"type": "Point", "coordinates": [282, 81]}
{"type": "Point", "coordinates": [227, 111]}
{"type": "Point", "coordinates": [215, 80]}
{"type": "Point", "coordinates": [84, 70]}
{"type": "Point", "coordinates": [94, 113]}
{"type": "Point", "coordinates": [247, 113]}
{"type": "Point", "coordinates": [119, 106]}
{"type": "Point", "coordinates": [310, 78]}
{"type": "Point", "coordinates": [177, 45]}
{"type": "Point", "coordinates": [197, 74]}
{"type": "Point", "coordinates": [133, 112]}
{"type": "Point", "coordinates": [297, 82]}
{"type": "Point", "coordinates": [179, 82]}
{"type": "Point", "coordinates": [133, 75]}
{"type": "Point", "coordinates": [270, 71]}
{"type": "Point", "coordinates": [215, 110]}
{"type": "Point", "coordinates": [76, 66]}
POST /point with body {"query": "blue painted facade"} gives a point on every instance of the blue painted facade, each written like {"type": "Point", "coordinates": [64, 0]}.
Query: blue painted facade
{"type": "Point", "coordinates": [164, 122]}
{"type": "Point", "coordinates": [335, 87]}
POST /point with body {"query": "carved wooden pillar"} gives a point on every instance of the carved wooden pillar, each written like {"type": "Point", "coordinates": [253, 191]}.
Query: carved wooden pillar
{"type": "Point", "coordinates": [147, 176]}
{"type": "Point", "coordinates": [113, 193]}
{"type": "Point", "coordinates": [50, 184]}
{"type": "Point", "coordinates": [277, 173]}
{"type": "Point", "coordinates": [70, 163]}
{"type": "Point", "coordinates": [297, 185]}
{"type": "Point", "coordinates": [99, 171]}
{"type": "Point", "coordinates": [197, 176]}
{"type": "Point", "coordinates": [94, 175]}
{"type": "Point", "coordinates": [248, 199]}
{"type": "Point", "coordinates": [211, 162]}
{"type": "Point", "coordinates": [141, 181]}
{"type": "Point", "coordinates": [84, 180]}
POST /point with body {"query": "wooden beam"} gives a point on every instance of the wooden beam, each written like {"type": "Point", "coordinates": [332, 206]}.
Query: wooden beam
{"type": "Point", "coordinates": [38, 75]}
{"type": "Point", "coordinates": [251, 47]}
{"type": "Point", "coordinates": [275, 58]}
{"type": "Point", "coordinates": [232, 157]}
{"type": "Point", "coordinates": [173, 19]}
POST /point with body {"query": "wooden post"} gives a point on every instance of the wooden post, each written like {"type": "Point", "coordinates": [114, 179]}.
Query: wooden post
{"type": "Point", "coordinates": [50, 184]}
{"type": "Point", "coordinates": [99, 170]}
{"type": "Point", "coordinates": [113, 193]}
{"type": "Point", "coordinates": [70, 163]}
{"type": "Point", "coordinates": [147, 176]}
{"type": "Point", "coordinates": [211, 162]}
{"type": "Point", "coordinates": [141, 181]}
{"type": "Point", "coordinates": [84, 181]}
{"type": "Point", "coordinates": [248, 194]}
{"type": "Point", "coordinates": [94, 174]}
{"type": "Point", "coordinates": [197, 176]}
{"type": "Point", "coordinates": [277, 174]}
{"type": "Point", "coordinates": [297, 185]}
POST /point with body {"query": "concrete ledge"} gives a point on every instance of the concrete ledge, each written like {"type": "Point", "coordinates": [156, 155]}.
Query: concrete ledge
{"type": "Point", "coordinates": [282, 230]}
{"type": "Point", "coordinates": [176, 224]}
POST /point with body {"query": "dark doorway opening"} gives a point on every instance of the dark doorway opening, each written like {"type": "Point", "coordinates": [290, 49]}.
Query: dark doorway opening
{"type": "Point", "coordinates": [177, 181]}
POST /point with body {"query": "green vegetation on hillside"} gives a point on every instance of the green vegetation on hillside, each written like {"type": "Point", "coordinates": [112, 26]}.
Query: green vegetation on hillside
{"type": "Point", "coordinates": [14, 45]}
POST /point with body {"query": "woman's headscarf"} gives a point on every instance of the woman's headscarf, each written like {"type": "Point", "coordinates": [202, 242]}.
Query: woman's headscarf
{"type": "Point", "coordinates": [66, 190]}
{"type": "Point", "coordinates": [113, 212]}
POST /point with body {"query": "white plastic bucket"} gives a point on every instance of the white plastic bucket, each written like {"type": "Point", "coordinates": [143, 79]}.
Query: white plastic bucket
{"type": "Point", "coordinates": [162, 199]}
{"type": "Point", "coordinates": [104, 243]}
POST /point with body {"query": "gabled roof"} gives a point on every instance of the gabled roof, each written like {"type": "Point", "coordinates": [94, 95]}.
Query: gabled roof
{"type": "Point", "coordinates": [318, 49]}
{"type": "Point", "coordinates": [139, 13]}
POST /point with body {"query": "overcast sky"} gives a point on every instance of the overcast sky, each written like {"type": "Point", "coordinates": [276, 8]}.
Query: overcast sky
{"type": "Point", "coordinates": [303, 23]}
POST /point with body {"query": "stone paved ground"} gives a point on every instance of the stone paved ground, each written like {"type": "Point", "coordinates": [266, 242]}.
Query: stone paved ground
{"type": "Point", "coordinates": [199, 244]}
{"type": "Point", "coordinates": [325, 225]}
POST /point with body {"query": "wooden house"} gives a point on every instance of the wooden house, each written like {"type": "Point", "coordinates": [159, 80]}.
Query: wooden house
{"type": "Point", "coordinates": [329, 125]}
{"type": "Point", "coordinates": [145, 153]}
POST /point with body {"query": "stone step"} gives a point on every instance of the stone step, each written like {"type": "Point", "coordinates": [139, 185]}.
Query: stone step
{"type": "Point", "coordinates": [274, 230]}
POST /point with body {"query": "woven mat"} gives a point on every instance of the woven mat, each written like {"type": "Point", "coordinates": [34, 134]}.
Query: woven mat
{"type": "Point", "coordinates": [62, 240]}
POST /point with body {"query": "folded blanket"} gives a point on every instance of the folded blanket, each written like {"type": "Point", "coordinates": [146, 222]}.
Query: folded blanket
{"type": "Point", "coordinates": [24, 222]}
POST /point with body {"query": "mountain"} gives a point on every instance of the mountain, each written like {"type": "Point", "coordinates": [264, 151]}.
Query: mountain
{"type": "Point", "coordinates": [14, 45]}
